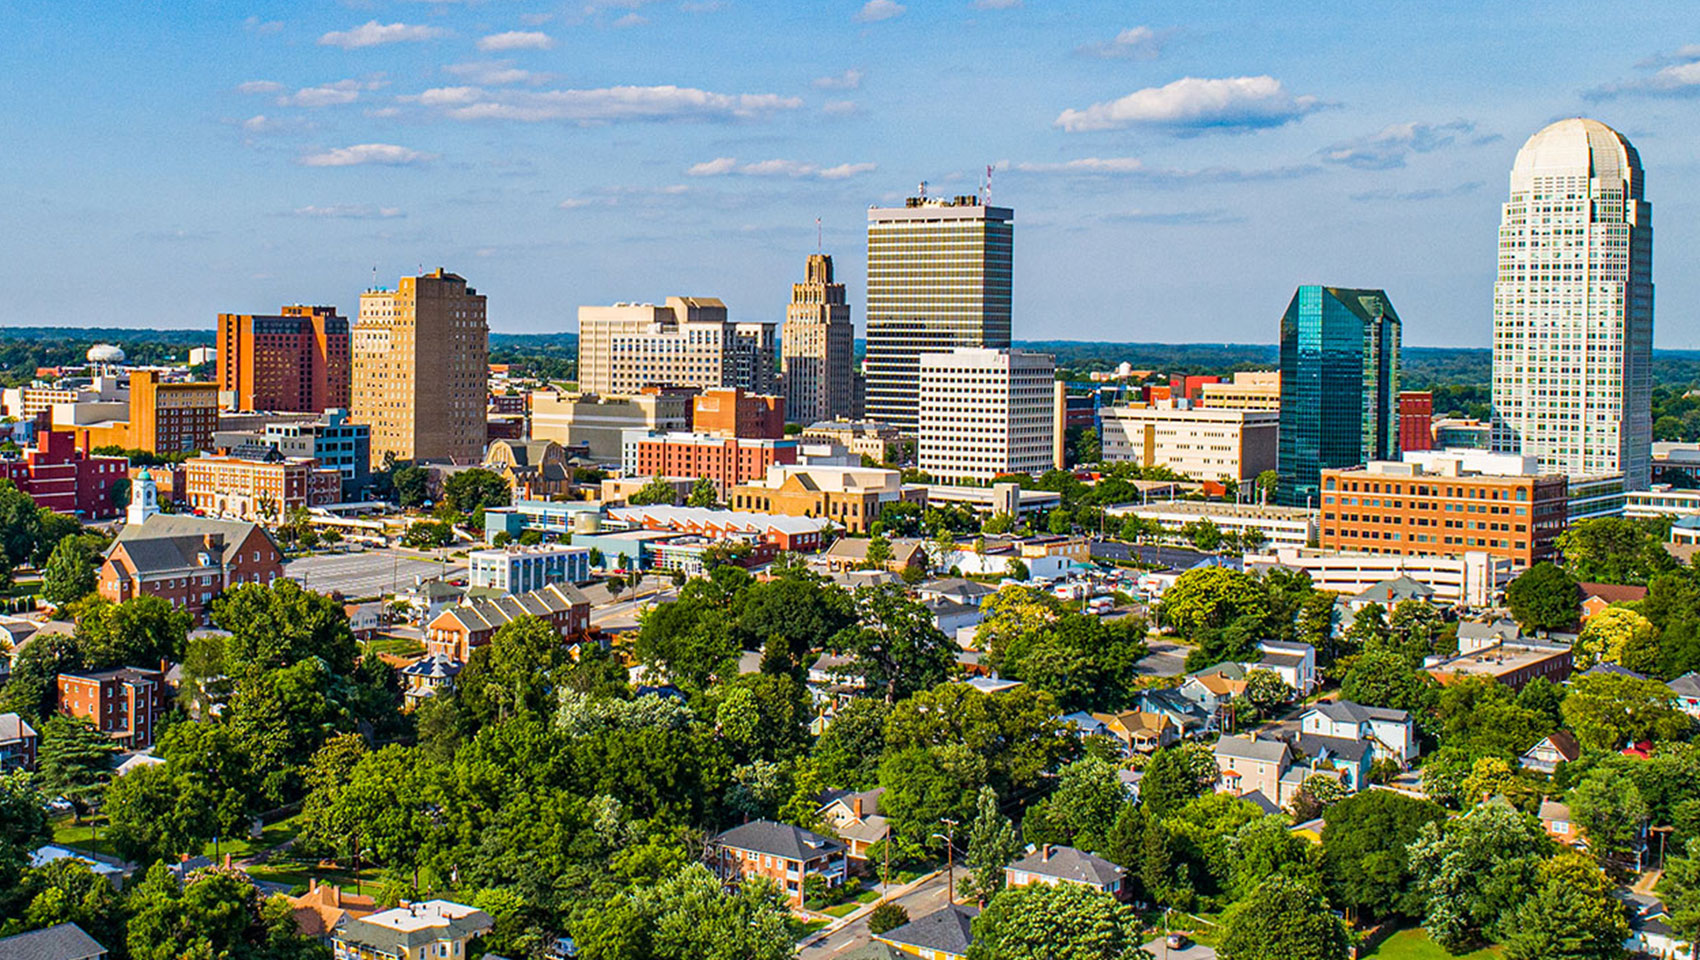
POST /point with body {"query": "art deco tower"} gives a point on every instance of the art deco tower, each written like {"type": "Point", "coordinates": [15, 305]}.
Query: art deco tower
{"type": "Point", "coordinates": [1573, 306]}
{"type": "Point", "coordinates": [819, 346]}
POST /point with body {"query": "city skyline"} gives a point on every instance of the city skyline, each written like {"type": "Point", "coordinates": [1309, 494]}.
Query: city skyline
{"type": "Point", "coordinates": [559, 158]}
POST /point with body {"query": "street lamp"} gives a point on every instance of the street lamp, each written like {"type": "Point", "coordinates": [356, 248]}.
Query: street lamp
{"type": "Point", "coordinates": [949, 838]}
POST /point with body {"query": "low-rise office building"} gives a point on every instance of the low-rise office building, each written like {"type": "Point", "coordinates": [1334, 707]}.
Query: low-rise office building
{"type": "Point", "coordinates": [1474, 578]}
{"type": "Point", "coordinates": [724, 461]}
{"type": "Point", "coordinates": [880, 441]}
{"type": "Point", "coordinates": [1434, 503]}
{"type": "Point", "coordinates": [849, 496]}
{"type": "Point", "coordinates": [1250, 390]}
{"type": "Point", "coordinates": [1662, 500]}
{"type": "Point", "coordinates": [1224, 445]}
{"type": "Point", "coordinates": [998, 498]}
{"type": "Point", "coordinates": [333, 441]}
{"type": "Point", "coordinates": [599, 422]}
{"type": "Point", "coordinates": [258, 484]}
{"type": "Point", "coordinates": [524, 569]}
{"type": "Point", "coordinates": [1280, 526]}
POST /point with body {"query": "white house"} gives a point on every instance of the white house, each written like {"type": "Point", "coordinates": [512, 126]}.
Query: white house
{"type": "Point", "coordinates": [1390, 733]}
{"type": "Point", "coordinates": [1687, 690]}
{"type": "Point", "coordinates": [1294, 663]}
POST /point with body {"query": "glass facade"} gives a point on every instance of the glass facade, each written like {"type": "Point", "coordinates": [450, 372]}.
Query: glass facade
{"type": "Point", "coordinates": [939, 277]}
{"type": "Point", "coordinates": [1339, 386]}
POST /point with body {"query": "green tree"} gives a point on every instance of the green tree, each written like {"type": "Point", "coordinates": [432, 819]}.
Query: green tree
{"type": "Point", "coordinates": [1264, 848]}
{"type": "Point", "coordinates": [1011, 740]}
{"type": "Point", "coordinates": [1211, 598]}
{"type": "Point", "coordinates": [656, 491]}
{"type": "Point", "coordinates": [895, 646]}
{"type": "Point", "coordinates": [476, 489]}
{"type": "Point", "coordinates": [214, 913]}
{"type": "Point", "coordinates": [687, 916]}
{"type": "Point", "coordinates": [1062, 922]}
{"type": "Point", "coordinates": [886, 917]}
{"type": "Point", "coordinates": [702, 494]}
{"type": "Point", "coordinates": [1680, 888]}
{"type": "Point", "coordinates": [23, 825]}
{"type": "Point", "coordinates": [1414, 629]}
{"type": "Point", "coordinates": [991, 846]}
{"type": "Point", "coordinates": [20, 529]}
{"type": "Point", "coordinates": [1613, 550]}
{"type": "Point", "coordinates": [1365, 861]}
{"type": "Point", "coordinates": [1608, 710]}
{"type": "Point", "coordinates": [1085, 661]}
{"type": "Point", "coordinates": [1544, 597]}
{"type": "Point", "coordinates": [427, 534]}
{"type": "Point", "coordinates": [849, 750]}
{"type": "Point", "coordinates": [1609, 809]}
{"type": "Point", "coordinates": [33, 690]}
{"type": "Point", "coordinates": [410, 484]}
{"type": "Point", "coordinates": [1088, 447]}
{"type": "Point", "coordinates": [70, 573]}
{"type": "Point", "coordinates": [1203, 534]}
{"type": "Point", "coordinates": [1473, 871]}
{"type": "Point", "coordinates": [75, 761]}
{"type": "Point", "coordinates": [281, 624]}
{"type": "Point", "coordinates": [1266, 690]}
{"type": "Point", "coordinates": [1480, 715]}
{"type": "Point", "coordinates": [140, 632]}
{"type": "Point", "coordinates": [1083, 809]}
{"type": "Point", "coordinates": [1268, 483]}
{"type": "Point", "coordinates": [1169, 781]}
{"type": "Point", "coordinates": [1571, 914]}
{"type": "Point", "coordinates": [155, 815]}
{"type": "Point", "coordinates": [511, 674]}
{"type": "Point", "coordinates": [1283, 919]}
{"type": "Point", "coordinates": [1382, 678]}
{"type": "Point", "coordinates": [1368, 628]}
{"type": "Point", "coordinates": [67, 891]}
{"type": "Point", "coordinates": [1622, 636]}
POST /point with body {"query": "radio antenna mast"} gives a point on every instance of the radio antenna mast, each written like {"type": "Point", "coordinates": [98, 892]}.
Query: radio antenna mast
{"type": "Point", "coordinates": [819, 244]}
{"type": "Point", "coordinates": [988, 200]}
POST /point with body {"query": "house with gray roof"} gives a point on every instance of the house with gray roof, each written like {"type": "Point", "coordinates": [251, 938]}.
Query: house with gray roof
{"type": "Point", "coordinates": [782, 853]}
{"type": "Point", "coordinates": [64, 941]}
{"type": "Point", "coordinates": [1687, 690]}
{"type": "Point", "coordinates": [1392, 592]}
{"type": "Point", "coordinates": [1053, 865]}
{"type": "Point", "coordinates": [17, 742]}
{"type": "Point", "coordinates": [431, 929]}
{"type": "Point", "coordinates": [1391, 734]}
{"type": "Point", "coordinates": [944, 934]}
{"type": "Point", "coordinates": [1352, 759]}
{"type": "Point", "coordinates": [855, 817]}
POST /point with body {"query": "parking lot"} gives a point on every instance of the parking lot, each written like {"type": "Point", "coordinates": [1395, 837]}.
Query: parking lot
{"type": "Point", "coordinates": [370, 573]}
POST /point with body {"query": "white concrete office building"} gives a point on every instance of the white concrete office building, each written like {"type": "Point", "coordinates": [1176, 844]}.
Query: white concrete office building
{"type": "Point", "coordinates": [524, 569]}
{"type": "Point", "coordinates": [687, 342]}
{"type": "Point", "coordinates": [984, 412]}
{"type": "Point", "coordinates": [1200, 444]}
{"type": "Point", "coordinates": [1573, 306]}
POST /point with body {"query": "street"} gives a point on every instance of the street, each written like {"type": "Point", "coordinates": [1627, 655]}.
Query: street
{"type": "Point", "coordinates": [1166, 659]}
{"type": "Point", "coordinates": [372, 572]}
{"type": "Point", "coordinates": [920, 901]}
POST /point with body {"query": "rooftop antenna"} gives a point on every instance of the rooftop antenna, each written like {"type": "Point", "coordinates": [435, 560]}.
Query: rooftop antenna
{"type": "Point", "coordinates": [923, 189]}
{"type": "Point", "coordinates": [988, 200]}
{"type": "Point", "coordinates": [819, 245]}
{"type": "Point", "coordinates": [374, 276]}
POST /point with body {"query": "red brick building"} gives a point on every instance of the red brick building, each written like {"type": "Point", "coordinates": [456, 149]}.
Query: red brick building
{"type": "Point", "coordinates": [1416, 420]}
{"type": "Point", "coordinates": [64, 479]}
{"type": "Point", "coordinates": [296, 361]}
{"type": "Point", "coordinates": [457, 631]}
{"type": "Point", "coordinates": [187, 560]}
{"type": "Point", "coordinates": [781, 853]}
{"type": "Point", "coordinates": [266, 486]}
{"type": "Point", "coordinates": [17, 743]}
{"type": "Point", "coordinates": [730, 412]}
{"type": "Point", "coordinates": [124, 703]}
{"type": "Point", "coordinates": [726, 461]}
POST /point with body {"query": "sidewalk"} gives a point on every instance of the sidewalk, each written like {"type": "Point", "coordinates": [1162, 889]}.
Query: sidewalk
{"type": "Point", "coordinates": [867, 908]}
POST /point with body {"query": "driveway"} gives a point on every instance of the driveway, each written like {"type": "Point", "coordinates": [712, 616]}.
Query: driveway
{"type": "Point", "coordinates": [922, 900]}
{"type": "Point", "coordinates": [1166, 659]}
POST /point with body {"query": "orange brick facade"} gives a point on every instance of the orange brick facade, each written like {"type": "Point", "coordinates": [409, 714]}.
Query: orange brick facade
{"type": "Point", "coordinates": [164, 418]}
{"type": "Point", "coordinates": [1518, 517]}
{"type": "Point", "coordinates": [257, 489]}
{"type": "Point", "coordinates": [730, 412]}
{"type": "Point", "coordinates": [296, 361]}
{"type": "Point", "coordinates": [125, 703]}
{"type": "Point", "coordinates": [196, 565]}
{"type": "Point", "coordinates": [726, 462]}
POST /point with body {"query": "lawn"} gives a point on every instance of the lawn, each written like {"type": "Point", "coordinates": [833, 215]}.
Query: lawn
{"type": "Point", "coordinates": [395, 646]}
{"type": "Point", "coordinates": [67, 833]}
{"type": "Point", "coordinates": [1414, 944]}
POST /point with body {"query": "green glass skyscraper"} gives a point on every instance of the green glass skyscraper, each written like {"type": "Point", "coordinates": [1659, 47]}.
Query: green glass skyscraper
{"type": "Point", "coordinates": [1339, 386]}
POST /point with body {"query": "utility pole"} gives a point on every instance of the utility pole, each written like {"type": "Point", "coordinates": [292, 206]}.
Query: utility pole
{"type": "Point", "coordinates": [949, 838]}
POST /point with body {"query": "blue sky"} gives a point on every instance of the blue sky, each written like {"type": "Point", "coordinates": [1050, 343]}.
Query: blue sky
{"type": "Point", "coordinates": [1176, 169]}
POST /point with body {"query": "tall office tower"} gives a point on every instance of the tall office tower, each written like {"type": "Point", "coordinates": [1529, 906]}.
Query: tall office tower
{"type": "Point", "coordinates": [985, 412]}
{"type": "Point", "coordinates": [1339, 386]}
{"type": "Point", "coordinates": [685, 342]}
{"type": "Point", "coordinates": [421, 369]}
{"type": "Point", "coordinates": [296, 362]}
{"type": "Point", "coordinates": [818, 347]}
{"type": "Point", "coordinates": [1573, 306]}
{"type": "Point", "coordinates": [938, 278]}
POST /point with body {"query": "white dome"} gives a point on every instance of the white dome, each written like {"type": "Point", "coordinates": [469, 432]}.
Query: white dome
{"type": "Point", "coordinates": [1577, 147]}
{"type": "Point", "coordinates": [105, 353]}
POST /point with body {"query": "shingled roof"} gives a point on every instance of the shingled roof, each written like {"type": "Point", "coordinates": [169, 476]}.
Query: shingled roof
{"type": "Point", "coordinates": [949, 929]}
{"type": "Point", "coordinates": [481, 615]}
{"type": "Point", "coordinates": [174, 525]}
{"type": "Point", "coordinates": [779, 840]}
{"type": "Point", "coordinates": [1067, 863]}
{"type": "Point", "coordinates": [64, 941]}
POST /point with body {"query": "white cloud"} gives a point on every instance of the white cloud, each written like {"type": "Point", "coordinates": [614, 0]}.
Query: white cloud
{"type": "Point", "coordinates": [1678, 75]}
{"type": "Point", "coordinates": [325, 95]}
{"type": "Point", "coordinates": [608, 104]}
{"type": "Point", "coordinates": [372, 34]}
{"type": "Point", "coordinates": [259, 86]}
{"type": "Point", "coordinates": [517, 40]}
{"type": "Point", "coordinates": [839, 108]}
{"type": "Point", "coordinates": [352, 211]}
{"type": "Point", "coordinates": [1389, 147]}
{"type": "Point", "coordinates": [259, 123]}
{"type": "Point", "coordinates": [1135, 168]}
{"type": "Point", "coordinates": [256, 25]}
{"type": "Point", "coordinates": [1193, 105]}
{"type": "Point", "coordinates": [995, 4]}
{"type": "Point", "coordinates": [630, 20]}
{"type": "Point", "coordinates": [386, 154]}
{"type": "Point", "coordinates": [1135, 43]}
{"type": "Point", "coordinates": [494, 73]}
{"type": "Point", "coordinates": [723, 166]}
{"type": "Point", "coordinates": [850, 79]}
{"type": "Point", "coordinates": [449, 96]}
{"type": "Point", "coordinates": [876, 10]}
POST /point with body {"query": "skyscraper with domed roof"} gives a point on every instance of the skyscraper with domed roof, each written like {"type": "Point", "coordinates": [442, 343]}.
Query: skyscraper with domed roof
{"type": "Point", "coordinates": [1573, 306]}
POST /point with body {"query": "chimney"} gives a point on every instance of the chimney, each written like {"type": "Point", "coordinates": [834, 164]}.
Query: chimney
{"type": "Point", "coordinates": [856, 806]}
{"type": "Point", "coordinates": [312, 884]}
{"type": "Point", "coordinates": [1045, 854]}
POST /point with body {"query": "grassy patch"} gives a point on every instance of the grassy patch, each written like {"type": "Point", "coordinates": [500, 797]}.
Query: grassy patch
{"type": "Point", "coordinates": [842, 910]}
{"type": "Point", "coordinates": [67, 833]}
{"type": "Point", "coordinates": [1414, 944]}
{"type": "Point", "coordinates": [799, 930]}
{"type": "Point", "coordinates": [395, 646]}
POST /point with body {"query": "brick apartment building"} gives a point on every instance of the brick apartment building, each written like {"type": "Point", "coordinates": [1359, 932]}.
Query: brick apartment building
{"type": "Point", "coordinates": [124, 703]}
{"type": "Point", "coordinates": [297, 361]}
{"type": "Point", "coordinates": [782, 853]}
{"type": "Point", "coordinates": [1407, 509]}
{"type": "Point", "coordinates": [64, 479]}
{"type": "Point", "coordinates": [726, 461]}
{"type": "Point", "coordinates": [1416, 420]}
{"type": "Point", "coordinates": [730, 412]}
{"type": "Point", "coordinates": [258, 484]}
{"type": "Point", "coordinates": [457, 631]}
{"type": "Point", "coordinates": [163, 418]}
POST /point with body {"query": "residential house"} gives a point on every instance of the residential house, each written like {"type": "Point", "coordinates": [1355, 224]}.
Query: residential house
{"type": "Point", "coordinates": [855, 818]}
{"type": "Point", "coordinates": [1270, 772]}
{"type": "Point", "coordinates": [17, 742]}
{"type": "Point", "coordinates": [1214, 689]}
{"type": "Point", "coordinates": [1556, 821]}
{"type": "Point", "coordinates": [783, 853]}
{"type": "Point", "coordinates": [428, 676]}
{"type": "Point", "coordinates": [62, 941]}
{"type": "Point", "coordinates": [1390, 733]}
{"type": "Point", "coordinates": [124, 703]}
{"type": "Point", "coordinates": [457, 631]}
{"type": "Point", "coordinates": [1544, 757]}
{"type": "Point", "coordinates": [1390, 593]}
{"type": "Point", "coordinates": [366, 619]}
{"type": "Point", "coordinates": [432, 930]}
{"type": "Point", "coordinates": [1187, 716]}
{"type": "Point", "coordinates": [850, 553]}
{"type": "Point", "coordinates": [1056, 865]}
{"type": "Point", "coordinates": [1294, 663]}
{"type": "Point", "coordinates": [1474, 636]}
{"type": "Point", "coordinates": [1139, 731]}
{"type": "Point", "coordinates": [944, 934]}
{"type": "Point", "coordinates": [1598, 596]}
{"type": "Point", "coordinates": [950, 616]}
{"type": "Point", "coordinates": [1351, 759]}
{"type": "Point", "coordinates": [966, 592]}
{"type": "Point", "coordinates": [324, 907]}
{"type": "Point", "coordinates": [1687, 690]}
{"type": "Point", "coordinates": [1650, 933]}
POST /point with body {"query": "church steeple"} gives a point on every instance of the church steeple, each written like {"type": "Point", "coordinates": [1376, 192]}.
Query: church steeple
{"type": "Point", "coordinates": [144, 498]}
